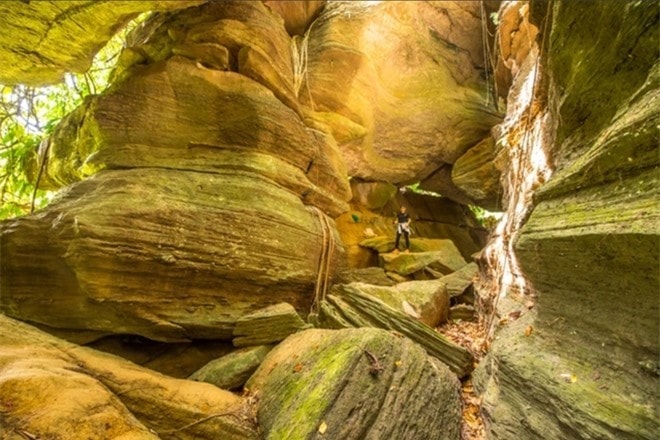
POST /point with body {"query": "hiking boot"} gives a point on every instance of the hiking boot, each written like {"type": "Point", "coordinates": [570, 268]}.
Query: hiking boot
{"type": "Point", "coordinates": [407, 251]}
{"type": "Point", "coordinates": [395, 251]}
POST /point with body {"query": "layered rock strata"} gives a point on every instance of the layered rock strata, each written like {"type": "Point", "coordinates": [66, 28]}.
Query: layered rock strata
{"type": "Point", "coordinates": [584, 363]}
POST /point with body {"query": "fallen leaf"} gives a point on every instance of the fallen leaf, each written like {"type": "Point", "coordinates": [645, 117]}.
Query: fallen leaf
{"type": "Point", "coordinates": [323, 427]}
{"type": "Point", "coordinates": [397, 364]}
{"type": "Point", "coordinates": [528, 330]}
{"type": "Point", "coordinates": [515, 314]}
{"type": "Point", "coordinates": [298, 368]}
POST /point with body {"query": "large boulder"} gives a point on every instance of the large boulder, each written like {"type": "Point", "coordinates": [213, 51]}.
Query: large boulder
{"type": "Point", "coordinates": [198, 194]}
{"type": "Point", "coordinates": [355, 384]}
{"type": "Point", "coordinates": [132, 252]}
{"type": "Point", "coordinates": [348, 307]}
{"type": "Point", "coordinates": [167, 116]}
{"type": "Point", "coordinates": [233, 370]}
{"type": "Point", "coordinates": [427, 301]}
{"type": "Point", "coordinates": [407, 263]}
{"type": "Point", "coordinates": [50, 388]}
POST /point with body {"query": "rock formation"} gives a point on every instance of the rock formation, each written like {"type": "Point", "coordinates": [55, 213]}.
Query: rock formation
{"type": "Point", "coordinates": [244, 167]}
{"type": "Point", "coordinates": [50, 388]}
{"type": "Point", "coordinates": [43, 40]}
{"type": "Point", "coordinates": [589, 368]}
{"type": "Point", "coordinates": [190, 175]}
{"type": "Point", "coordinates": [355, 384]}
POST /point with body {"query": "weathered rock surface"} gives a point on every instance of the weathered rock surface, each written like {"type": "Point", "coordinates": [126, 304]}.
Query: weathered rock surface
{"type": "Point", "coordinates": [230, 372]}
{"type": "Point", "coordinates": [372, 195]}
{"type": "Point", "coordinates": [297, 15]}
{"type": "Point", "coordinates": [131, 252]}
{"type": "Point", "coordinates": [457, 282]}
{"type": "Point", "coordinates": [516, 39]}
{"type": "Point", "coordinates": [443, 261]}
{"type": "Point", "coordinates": [474, 179]}
{"type": "Point", "coordinates": [369, 275]}
{"type": "Point", "coordinates": [268, 325]}
{"type": "Point", "coordinates": [355, 384]}
{"type": "Point", "coordinates": [462, 312]}
{"type": "Point", "coordinates": [477, 173]}
{"type": "Point", "coordinates": [348, 307]}
{"type": "Point", "coordinates": [50, 388]}
{"type": "Point", "coordinates": [427, 301]}
{"type": "Point", "coordinates": [588, 368]}
{"type": "Point", "coordinates": [534, 387]}
{"type": "Point", "coordinates": [156, 118]}
{"type": "Point", "coordinates": [211, 172]}
{"type": "Point", "coordinates": [420, 97]}
{"type": "Point", "coordinates": [44, 39]}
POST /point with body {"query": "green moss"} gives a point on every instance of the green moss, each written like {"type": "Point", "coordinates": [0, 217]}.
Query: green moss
{"type": "Point", "coordinates": [620, 44]}
{"type": "Point", "coordinates": [305, 395]}
{"type": "Point", "coordinates": [573, 391]}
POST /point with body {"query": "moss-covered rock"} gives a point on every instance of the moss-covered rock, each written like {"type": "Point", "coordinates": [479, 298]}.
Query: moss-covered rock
{"type": "Point", "coordinates": [589, 249]}
{"type": "Point", "coordinates": [230, 372]}
{"type": "Point", "coordinates": [267, 325]}
{"type": "Point", "coordinates": [459, 281]}
{"type": "Point", "coordinates": [348, 307]}
{"type": "Point", "coordinates": [169, 255]}
{"type": "Point", "coordinates": [575, 393]}
{"type": "Point", "coordinates": [42, 40]}
{"type": "Point", "coordinates": [355, 384]}
{"type": "Point", "coordinates": [166, 115]}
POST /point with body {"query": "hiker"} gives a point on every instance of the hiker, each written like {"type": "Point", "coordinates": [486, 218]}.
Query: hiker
{"type": "Point", "coordinates": [402, 223]}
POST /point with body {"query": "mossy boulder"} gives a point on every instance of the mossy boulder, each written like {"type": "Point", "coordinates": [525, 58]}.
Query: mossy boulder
{"type": "Point", "coordinates": [355, 384]}
{"type": "Point", "coordinates": [132, 252]}
{"type": "Point", "coordinates": [348, 307]}
{"type": "Point", "coordinates": [574, 393]}
{"type": "Point", "coordinates": [166, 115]}
{"type": "Point", "coordinates": [230, 372]}
{"type": "Point", "coordinates": [268, 325]}
{"type": "Point", "coordinates": [459, 281]}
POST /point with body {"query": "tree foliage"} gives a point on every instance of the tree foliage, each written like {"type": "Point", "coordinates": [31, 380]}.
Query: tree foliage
{"type": "Point", "coordinates": [29, 114]}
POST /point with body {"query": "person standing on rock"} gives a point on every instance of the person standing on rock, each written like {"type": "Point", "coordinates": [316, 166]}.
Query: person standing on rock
{"type": "Point", "coordinates": [402, 223]}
